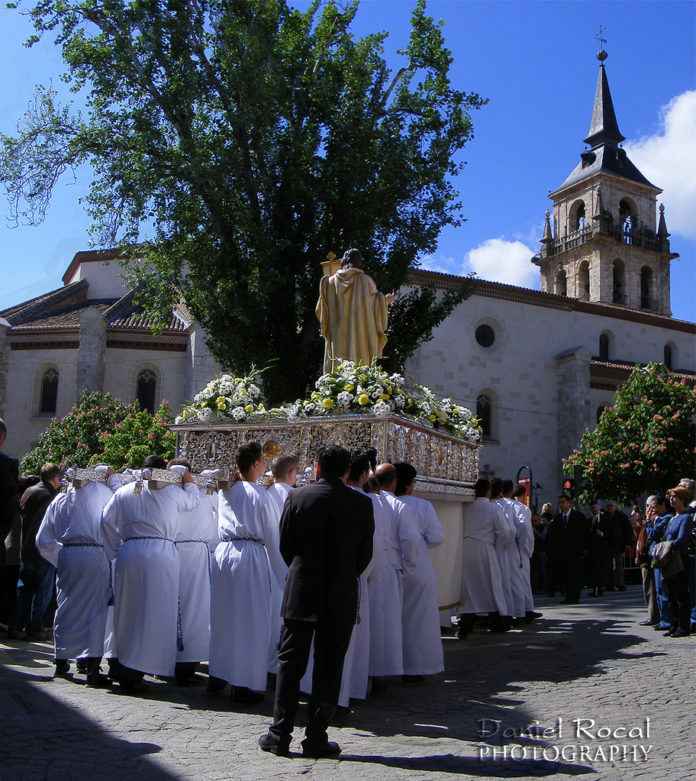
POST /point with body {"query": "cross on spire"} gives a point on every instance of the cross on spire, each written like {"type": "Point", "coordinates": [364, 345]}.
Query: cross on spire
{"type": "Point", "coordinates": [601, 54]}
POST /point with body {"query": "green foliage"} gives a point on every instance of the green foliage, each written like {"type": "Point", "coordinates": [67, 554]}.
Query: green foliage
{"type": "Point", "coordinates": [75, 439]}
{"type": "Point", "coordinates": [251, 138]}
{"type": "Point", "coordinates": [643, 443]}
{"type": "Point", "coordinates": [137, 436]}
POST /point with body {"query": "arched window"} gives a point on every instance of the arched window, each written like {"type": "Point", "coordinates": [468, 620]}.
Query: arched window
{"type": "Point", "coordinates": [646, 288]}
{"type": "Point", "coordinates": [577, 216]}
{"type": "Point", "coordinates": [584, 281]}
{"type": "Point", "coordinates": [627, 220]}
{"type": "Point", "coordinates": [147, 389]}
{"type": "Point", "coordinates": [561, 283]}
{"type": "Point", "coordinates": [49, 392]}
{"type": "Point", "coordinates": [669, 356]}
{"type": "Point", "coordinates": [619, 286]}
{"type": "Point", "coordinates": [604, 344]}
{"type": "Point", "coordinates": [484, 414]}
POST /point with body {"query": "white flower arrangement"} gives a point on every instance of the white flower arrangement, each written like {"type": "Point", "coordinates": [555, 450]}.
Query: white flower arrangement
{"type": "Point", "coordinates": [351, 388]}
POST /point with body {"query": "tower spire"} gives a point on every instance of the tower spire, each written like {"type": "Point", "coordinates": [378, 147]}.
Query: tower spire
{"type": "Point", "coordinates": [604, 129]}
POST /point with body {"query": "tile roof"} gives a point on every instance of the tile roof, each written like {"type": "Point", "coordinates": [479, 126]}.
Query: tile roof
{"type": "Point", "coordinates": [69, 318]}
{"type": "Point", "coordinates": [630, 365]}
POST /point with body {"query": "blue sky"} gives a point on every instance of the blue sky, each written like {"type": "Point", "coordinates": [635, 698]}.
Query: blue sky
{"type": "Point", "coordinates": [536, 63]}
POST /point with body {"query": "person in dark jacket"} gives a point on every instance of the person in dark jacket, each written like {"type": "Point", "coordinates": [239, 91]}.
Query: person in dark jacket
{"type": "Point", "coordinates": [679, 533]}
{"type": "Point", "coordinates": [619, 534]}
{"type": "Point", "coordinates": [36, 575]}
{"type": "Point", "coordinates": [9, 522]}
{"type": "Point", "coordinates": [326, 533]}
{"type": "Point", "coordinates": [599, 557]}
{"type": "Point", "coordinates": [567, 542]}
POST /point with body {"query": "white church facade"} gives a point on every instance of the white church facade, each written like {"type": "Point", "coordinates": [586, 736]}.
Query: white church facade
{"type": "Point", "coordinates": [537, 365]}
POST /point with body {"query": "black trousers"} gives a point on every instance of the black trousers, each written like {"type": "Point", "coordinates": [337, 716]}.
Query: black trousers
{"type": "Point", "coordinates": [575, 575]}
{"type": "Point", "coordinates": [679, 605]}
{"type": "Point", "coordinates": [331, 641]}
{"type": "Point", "coordinates": [9, 574]}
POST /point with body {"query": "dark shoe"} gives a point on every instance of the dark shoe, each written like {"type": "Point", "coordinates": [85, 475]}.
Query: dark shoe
{"type": "Point", "coordinates": [215, 685]}
{"type": "Point", "coordinates": [411, 679]}
{"type": "Point", "coordinates": [532, 615]}
{"type": "Point", "coordinates": [319, 750]}
{"type": "Point", "coordinates": [132, 687]}
{"type": "Point", "coordinates": [274, 745]}
{"type": "Point", "coordinates": [98, 681]}
{"type": "Point", "coordinates": [669, 633]}
{"type": "Point", "coordinates": [647, 623]}
{"type": "Point", "coordinates": [62, 669]}
{"type": "Point", "coordinates": [680, 633]}
{"type": "Point", "coordinates": [246, 696]}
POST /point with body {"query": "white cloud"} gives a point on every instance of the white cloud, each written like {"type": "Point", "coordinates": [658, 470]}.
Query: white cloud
{"type": "Point", "coordinates": [445, 264]}
{"type": "Point", "coordinates": [668, 159]}
{"type": "Point", "coordinates": [500, 260]}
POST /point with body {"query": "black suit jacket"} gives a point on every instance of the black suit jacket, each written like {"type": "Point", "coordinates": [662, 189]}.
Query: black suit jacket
{"type": "Point", "coordinates": [568, 540]}
{"type": "Point", "coordinates": [9, 504]}
{"type": "Point", "coordinates": [326, 533]}
{"type": "Point", "coordinates": [618, 529]}
{"type": "Point", "coordinates": [34, 503]}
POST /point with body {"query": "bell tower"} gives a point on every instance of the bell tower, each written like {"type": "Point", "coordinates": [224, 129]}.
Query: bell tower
{"type": "Point", "coordinates": [606, 243]}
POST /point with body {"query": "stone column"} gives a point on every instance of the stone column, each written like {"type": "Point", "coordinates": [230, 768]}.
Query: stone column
{"type": "Point", "coordinates": [202, 366]}
{"type": "Point", "coordinates": [574, 408]}
{"type": "Point", "coordinates": [90, 358]}
{"type": "Point", "coordinates": [4, 364]}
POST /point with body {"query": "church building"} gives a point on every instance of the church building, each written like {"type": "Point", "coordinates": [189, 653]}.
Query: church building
{"type": "Point", "coordinates": [537, 366]}
{"type": "Point", "coordinates": [540, 366]}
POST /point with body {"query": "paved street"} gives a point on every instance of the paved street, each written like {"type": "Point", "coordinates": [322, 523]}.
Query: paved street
{"type": "Point", "coordinates": [590, 661]}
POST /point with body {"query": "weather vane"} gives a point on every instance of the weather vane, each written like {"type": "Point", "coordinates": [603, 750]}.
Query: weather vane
{"type": "Point", "coordinates": [602, 54]}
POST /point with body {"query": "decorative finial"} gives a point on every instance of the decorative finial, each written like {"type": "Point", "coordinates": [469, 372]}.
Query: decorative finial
{"type": "Point", "coordinates": [601, 54]}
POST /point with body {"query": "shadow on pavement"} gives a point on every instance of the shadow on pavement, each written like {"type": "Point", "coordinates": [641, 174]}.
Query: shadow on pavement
{"type": "Point", "coordinates": [42, 737]}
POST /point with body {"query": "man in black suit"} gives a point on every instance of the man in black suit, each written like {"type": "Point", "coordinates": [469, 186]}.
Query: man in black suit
{"type": "Point", "coordinates": [326, 533]}
{"type": "Point", "coordinates": [567, 542]}
{"type": "Point", "coordinates": [9, 522]}
{"type": "Point", "coordinates": [619, 533]}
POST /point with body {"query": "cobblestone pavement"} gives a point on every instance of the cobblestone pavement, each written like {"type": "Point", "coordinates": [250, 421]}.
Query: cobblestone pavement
{"type": "Point", "coordinates": [590, 661]}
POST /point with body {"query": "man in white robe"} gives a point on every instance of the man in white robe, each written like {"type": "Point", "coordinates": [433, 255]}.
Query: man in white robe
{"type": "Point", "coordinates": [395, 543]}
{"type": "Point", "coordinates": [139, 525]}
{"type": "Point", "coordinates": [483, 592]}
{"type": "Point", "coordinates": [242, 580]}
{"type": "Point", "coordinates": [525, 546]}
{"type": "Point", "coordinates": [284, 479]}
{"type": "Point", "coordinates": [70, 539]}
{"type": "Point", "coordinates": [196, 534]}
{"type": "Point", "coordinates": [506, 550]}
{"type": "Point", "coordinates": [423, 652]}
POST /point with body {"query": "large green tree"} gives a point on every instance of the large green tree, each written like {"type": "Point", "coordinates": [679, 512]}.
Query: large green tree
{"type": "Point", "coordinates": [643, 443]}
{"type": "Point", "coordinates": [247, 139]}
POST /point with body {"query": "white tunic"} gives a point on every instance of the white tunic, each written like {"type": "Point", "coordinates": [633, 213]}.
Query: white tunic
{"type": "Point", "coordinates": [241, 615]}
{"type": "Point", "coordinates": [277, 494]}
{"type": "Point", "coordinates": [394, 552]}
{"type": "Point", "coordinates": [525, 547]}
{"type": "Point", "coordinates": [196, 534]}
{"type": "Point", "coordinates": [70, 538]}
{"type": "Point", "coordinates": [139, 531]}
{"type": "Point", "coordinates": [482, 581]}
{"type": "Point", "coordinates": [423, 652]}
{"type": "Point", "coordinates": [508, 555]}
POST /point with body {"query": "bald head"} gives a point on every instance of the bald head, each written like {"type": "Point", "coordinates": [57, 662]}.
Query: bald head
{"type": "Point", "coordinates": [386, 476]}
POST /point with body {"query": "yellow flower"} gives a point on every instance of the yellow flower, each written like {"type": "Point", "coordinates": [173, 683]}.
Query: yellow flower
{"type": "Point", "coordinates": [348, 387]}
{"type": "Point", "coordinates": [328, 403]}
{"type": "Point", "coordinates": [221, 403]}
{"type": "Point", "coordinates": [363, 399]}
{"type": "Point", "coordinates": [249, 408]}
{"type": "Point", "coordinates": [432, 418]}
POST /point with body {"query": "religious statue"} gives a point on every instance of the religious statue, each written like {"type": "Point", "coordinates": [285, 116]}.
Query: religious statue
{"type": "Point", "coordinates": [352, 312]}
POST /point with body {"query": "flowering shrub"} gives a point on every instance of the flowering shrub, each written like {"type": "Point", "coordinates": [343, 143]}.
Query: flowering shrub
{"type": "Point", "coordinates": [226, 398]}
{"type": "Point", "coordinates": [353, 388]}
{"type": "Point", "coordinates": [75, 439]}
{"type": "Point", "coordinates": [644, 443]}
{"type": "Point", "coordinates": [138, 435]}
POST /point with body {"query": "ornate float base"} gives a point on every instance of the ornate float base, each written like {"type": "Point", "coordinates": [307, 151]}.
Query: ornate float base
{"type": "Point", "coordinates": [447, 466]}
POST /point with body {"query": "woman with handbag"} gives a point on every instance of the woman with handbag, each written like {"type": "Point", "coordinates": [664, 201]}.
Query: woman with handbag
{"type": "Point", "coordinates": [678, 532]}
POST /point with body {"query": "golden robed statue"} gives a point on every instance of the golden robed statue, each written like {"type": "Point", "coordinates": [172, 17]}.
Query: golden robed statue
{"type": "Point", "coordinates": [351, 311]}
